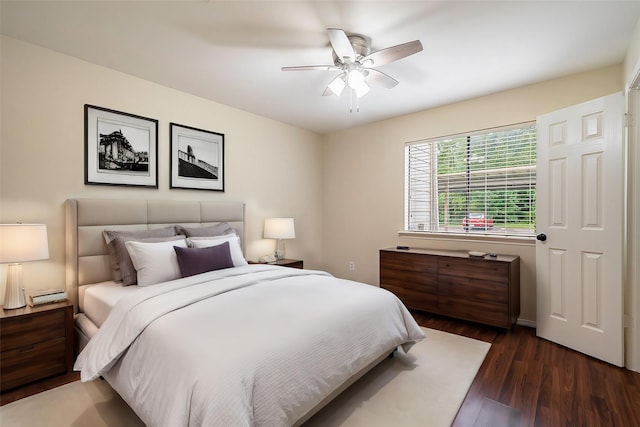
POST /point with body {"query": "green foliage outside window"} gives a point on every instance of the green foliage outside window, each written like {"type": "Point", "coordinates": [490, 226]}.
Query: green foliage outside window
{"type": "Point", "coordinates": [493, 173]}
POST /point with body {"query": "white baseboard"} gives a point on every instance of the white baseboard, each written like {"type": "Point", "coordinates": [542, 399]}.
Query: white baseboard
{"type": "Point", "coordinates": [527, 323]}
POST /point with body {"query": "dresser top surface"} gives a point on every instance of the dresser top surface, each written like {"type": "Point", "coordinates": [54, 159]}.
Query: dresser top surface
{"type": "Point", "coordinates": [455, 254]}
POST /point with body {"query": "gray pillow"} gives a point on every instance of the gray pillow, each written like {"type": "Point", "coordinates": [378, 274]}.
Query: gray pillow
{"type": "Point", "coordinates": [121, 266]}
{"type": "Point", "coordinates": [194, 261]}
{"type": "Point", "coordinates": [207, 231]}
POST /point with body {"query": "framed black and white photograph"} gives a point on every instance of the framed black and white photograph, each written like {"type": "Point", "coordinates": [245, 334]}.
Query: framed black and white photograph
{"type": "Point", "coordinates": [197, 158]}
{"type": "Point", "coordinates": [120, 148]}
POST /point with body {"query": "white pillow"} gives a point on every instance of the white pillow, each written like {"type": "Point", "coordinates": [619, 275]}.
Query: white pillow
{"type": "Point", "coordinates": [155, 262]}
{"type": "Point", "coordinates": [234, 246]}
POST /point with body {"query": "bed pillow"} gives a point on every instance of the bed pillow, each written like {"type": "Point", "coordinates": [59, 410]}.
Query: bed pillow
{"type": "Point", "coordinates": [234, 246]}
{"type": "Point", "coordinates": [194, 261]}
{"type": "Point", "coordinates": [127, 270]}
{"type": "Point", "coordinates": [208, 231]}
{"type": "Point", "coordinates": [155, 262]}
{"type": "Point", "coordinates": [118, 252]}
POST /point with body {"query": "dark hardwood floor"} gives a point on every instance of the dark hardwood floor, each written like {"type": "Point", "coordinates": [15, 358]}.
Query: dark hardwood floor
{"type": "Point", "coordinates": [528, 381]}
{"type": "Point", "coordinates": [524, 381]}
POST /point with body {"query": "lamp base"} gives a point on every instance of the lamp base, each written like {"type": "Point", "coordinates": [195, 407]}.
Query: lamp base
{"type": "Point", "coordinates": [279, 253]}
{"type": "Point", "coordinates": [14, 292]}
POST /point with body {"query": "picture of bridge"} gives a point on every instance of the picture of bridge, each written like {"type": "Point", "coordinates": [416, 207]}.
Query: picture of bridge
{"type": "Point", "coordinates": [197, 158]}
{"type": "Point", "coordinates": [190, 166]}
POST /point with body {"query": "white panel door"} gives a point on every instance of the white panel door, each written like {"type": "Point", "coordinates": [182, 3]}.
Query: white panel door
{"type": "Point", "coordinates": [580, 212]}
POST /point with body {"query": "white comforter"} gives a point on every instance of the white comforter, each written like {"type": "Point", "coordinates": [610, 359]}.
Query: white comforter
{"type": "Point", "coordinates": [248, 346]}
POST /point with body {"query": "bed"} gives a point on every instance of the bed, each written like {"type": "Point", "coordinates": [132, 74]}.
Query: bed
{"type": "Point", "coordinates": [247, 345]}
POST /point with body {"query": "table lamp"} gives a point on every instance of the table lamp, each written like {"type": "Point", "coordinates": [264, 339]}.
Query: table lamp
{"type": "Point", "coordinates": [20, 243]}
{"type": "Point", "coordinates": [279, 229]}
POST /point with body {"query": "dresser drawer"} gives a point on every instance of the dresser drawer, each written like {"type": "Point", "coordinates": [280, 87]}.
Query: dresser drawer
{"type": "Point", "coordinates": [477, 311]}
{"type": "Point", "coordinates": [425, 283]}
{"type": "Point", "coordinates": [408, 262]}
{"type": "Point", "coordinates": [419, 300]}
{"type": "Point", "coordinates": [473, 290]}
{"type": "Point", "coordinates": [480, 269]}
{"type": "Point", "coordinates": [23, 331]}
{"type": "Point", "coordinates": [32, 362]}
{"type": "Point", "coordinates": [409, 271]}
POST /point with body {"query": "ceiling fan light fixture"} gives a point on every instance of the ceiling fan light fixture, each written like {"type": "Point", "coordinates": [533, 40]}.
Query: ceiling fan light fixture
{"type": "Point", "coordinates": [357, 83]}
{"type": "Point", "coordinates": [353, 58]}
{"type": "Point", "coordinates": [355, 79]}
{"type": "Point", "coordinates": [337, 85]}
{"type": "Point", "coordinates": [361, 90]}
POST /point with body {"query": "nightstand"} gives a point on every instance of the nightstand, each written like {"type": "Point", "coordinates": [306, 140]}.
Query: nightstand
{"type": "Point", "coordinates": [37, 342]}
{"type": "Point", "coordinates": [293, 263]}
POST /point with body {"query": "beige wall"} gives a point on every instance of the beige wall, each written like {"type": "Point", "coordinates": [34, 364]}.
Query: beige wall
{"type": "Point", "coordinates": [274, 168]}
{"type": "Point", "coordinates": [363, 204]}
{"type": "Point", "coordinates": [344, 189]}
{"type": "Point", "coordinates": [632, 58]}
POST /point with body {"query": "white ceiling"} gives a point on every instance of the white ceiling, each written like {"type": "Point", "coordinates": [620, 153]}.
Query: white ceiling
{"type": "Point", "coordinates": [231, 51]}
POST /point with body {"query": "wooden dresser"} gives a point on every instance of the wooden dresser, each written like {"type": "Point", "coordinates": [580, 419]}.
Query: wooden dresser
{"type": "Point", "coordinates": [484, 290]}
{"type": "Point", "coordinates": [37, 342]}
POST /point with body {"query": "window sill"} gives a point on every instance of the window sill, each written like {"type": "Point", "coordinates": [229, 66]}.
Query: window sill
{"type": "Point", "coordinates": [506, 240]}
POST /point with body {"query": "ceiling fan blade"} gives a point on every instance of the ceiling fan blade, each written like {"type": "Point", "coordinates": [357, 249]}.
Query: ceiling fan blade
{"type": "Point", "coordinates": [390, 54]}
{"type": "Point", "coordinates": [380, 78]}
{"type": "Point", "coordinates": [341, 45]}
{"type": "Point", "coordinates": [310, 68]}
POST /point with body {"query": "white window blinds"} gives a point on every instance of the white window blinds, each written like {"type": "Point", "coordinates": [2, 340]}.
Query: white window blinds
{"type": "Point", "coordinates": [484, 182]}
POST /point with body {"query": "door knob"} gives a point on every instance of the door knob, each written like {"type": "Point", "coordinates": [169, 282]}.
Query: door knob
{"type": "Point", "coordinates": [542, 237]}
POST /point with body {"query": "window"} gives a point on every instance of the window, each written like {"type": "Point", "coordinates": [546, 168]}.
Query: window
{"type": "Point", "coordinates": [483, 182]}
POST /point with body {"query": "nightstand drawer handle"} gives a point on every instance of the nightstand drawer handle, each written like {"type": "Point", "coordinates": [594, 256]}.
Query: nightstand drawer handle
{"type": "Point", "coordinates": [26, 349]}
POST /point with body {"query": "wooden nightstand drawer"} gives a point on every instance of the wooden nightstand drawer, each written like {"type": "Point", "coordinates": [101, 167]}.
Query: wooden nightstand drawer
{"type": "Point", "coordinates": [36, 343]}
{"type": "Point", "coordinates": [27, 330]}
{"type": "Point", "coordinates": [33, 362]}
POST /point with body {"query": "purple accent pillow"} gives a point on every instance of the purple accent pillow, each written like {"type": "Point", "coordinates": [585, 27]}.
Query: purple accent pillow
{"type": "Point", "coordinates": [194, 261]}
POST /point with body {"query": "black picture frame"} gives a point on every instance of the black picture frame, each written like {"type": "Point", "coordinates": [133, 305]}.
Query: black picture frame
{"type": "Point", "coordinates": [197, 158]}
{"type": "Point", "coordinates": [120, 148]}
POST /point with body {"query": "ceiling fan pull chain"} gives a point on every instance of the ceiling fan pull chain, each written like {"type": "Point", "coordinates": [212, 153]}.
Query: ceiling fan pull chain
{"type": "Point", "coordinates": [350, 100]}
{"type": "Point", "coordinates": [352, 94]}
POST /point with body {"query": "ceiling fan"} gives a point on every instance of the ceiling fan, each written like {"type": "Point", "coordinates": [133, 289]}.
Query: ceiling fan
{"type": "Point", "coordinates": [352, 56]}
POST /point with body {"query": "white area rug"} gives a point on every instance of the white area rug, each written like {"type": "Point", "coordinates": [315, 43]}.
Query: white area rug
{"type": "Point", "coordinates": [424, 387]}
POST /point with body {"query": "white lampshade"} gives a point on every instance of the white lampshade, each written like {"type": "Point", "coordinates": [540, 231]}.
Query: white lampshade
{"type": "Point", "coordinates": [279, 228]}
{"type": "Point", "coordinates": [20, 243]}
{"type": "Point", "coordinates": [23, 242]}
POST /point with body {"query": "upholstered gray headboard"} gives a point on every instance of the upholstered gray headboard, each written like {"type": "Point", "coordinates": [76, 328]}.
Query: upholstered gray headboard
{"type": "Point", "coordinates": [87, 258]}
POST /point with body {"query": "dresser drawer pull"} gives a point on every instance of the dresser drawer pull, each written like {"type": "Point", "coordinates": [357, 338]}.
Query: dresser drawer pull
{"type": "Point", "coordinates": [27, 349]}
